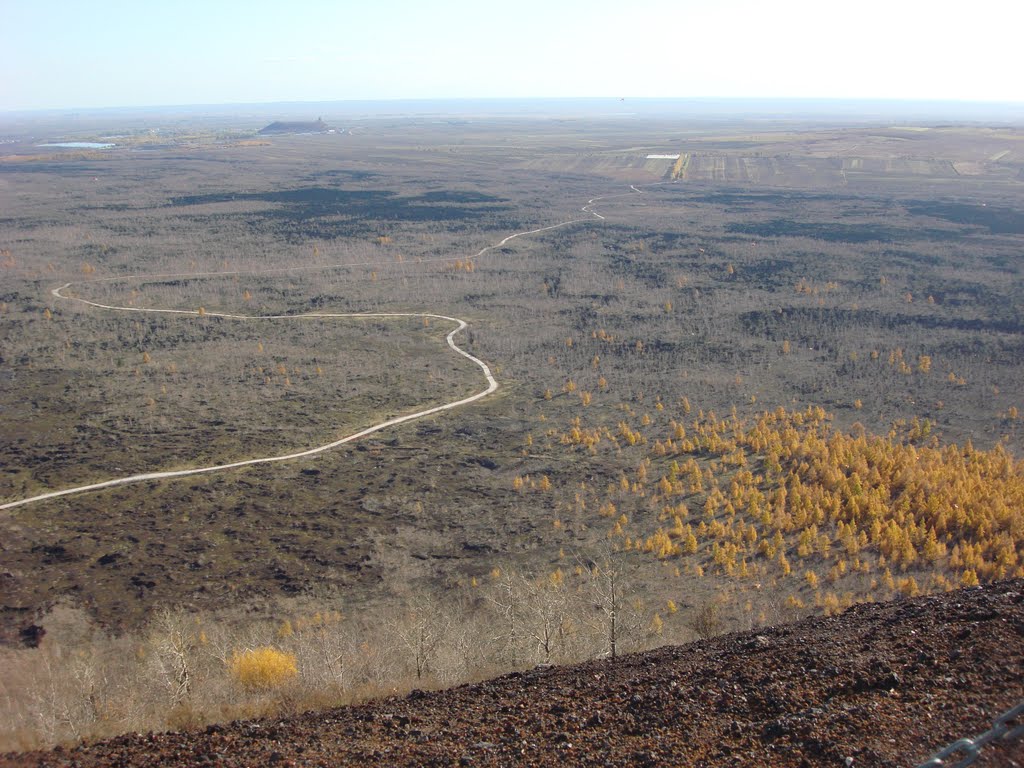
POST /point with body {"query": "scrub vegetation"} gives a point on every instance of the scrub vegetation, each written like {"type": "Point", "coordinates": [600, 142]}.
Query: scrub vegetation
{"type": "Point", "coordinates": [777, 377]}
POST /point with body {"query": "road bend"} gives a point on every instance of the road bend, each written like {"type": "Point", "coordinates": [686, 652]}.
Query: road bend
{"type": "Point", "coordinates": [460, 324]}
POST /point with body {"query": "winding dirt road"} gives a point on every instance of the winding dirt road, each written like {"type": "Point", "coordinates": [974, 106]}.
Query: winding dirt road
{"type": "Point", "coordinates": [492, 383]}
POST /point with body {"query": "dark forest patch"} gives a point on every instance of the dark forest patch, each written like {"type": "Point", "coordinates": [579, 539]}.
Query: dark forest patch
{"type": "Point", "coordinates": [56, 168]}
{"type": "Point", "coordinates": [310, 197]}
{"type": "Point", "coordinates": [312, 202]}
{"type": "Point", "coordinates": [836, 233]}
{"type": "Point", "coordinates": [762, 198]}
{"type": "Point", "coordinates": [342, 173]}
{"type": "Point", "coordinates": [775, 324]}
{"type": "Point", "coordinates": [456, 196]}
{"type": "Point", "coordinates": [998, 221]}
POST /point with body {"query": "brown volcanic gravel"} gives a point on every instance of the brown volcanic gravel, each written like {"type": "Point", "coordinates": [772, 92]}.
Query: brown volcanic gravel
{"type": "Point", "coordinates": [880, 685]}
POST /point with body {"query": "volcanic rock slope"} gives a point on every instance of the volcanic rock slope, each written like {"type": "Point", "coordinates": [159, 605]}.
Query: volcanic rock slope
{"type": "Point", "coordinates": [880, 685]}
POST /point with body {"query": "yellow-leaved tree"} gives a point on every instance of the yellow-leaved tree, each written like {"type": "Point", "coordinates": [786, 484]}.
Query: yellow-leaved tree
{"type": "Point", "coordinates": [263, 668]}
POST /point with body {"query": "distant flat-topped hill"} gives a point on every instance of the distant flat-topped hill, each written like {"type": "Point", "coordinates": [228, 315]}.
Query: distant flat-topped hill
{"type": "Point", "coordinates": [313, 126]}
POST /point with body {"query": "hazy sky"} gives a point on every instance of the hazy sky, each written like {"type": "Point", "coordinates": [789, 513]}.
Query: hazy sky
{"type": "Point", "coordinates": [94, 53]}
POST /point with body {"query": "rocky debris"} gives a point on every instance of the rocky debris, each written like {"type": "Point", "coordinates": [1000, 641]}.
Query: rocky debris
{"type": "Point", "coordinates": [880, 685]}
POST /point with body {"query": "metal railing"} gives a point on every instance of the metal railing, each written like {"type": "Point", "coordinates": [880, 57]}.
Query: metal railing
{"type": "Point", "coordinates": [1004, 728]}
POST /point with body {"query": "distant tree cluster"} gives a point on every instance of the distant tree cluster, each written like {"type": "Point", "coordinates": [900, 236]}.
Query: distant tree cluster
{"type": "Point", "coordinates": [787, 497]}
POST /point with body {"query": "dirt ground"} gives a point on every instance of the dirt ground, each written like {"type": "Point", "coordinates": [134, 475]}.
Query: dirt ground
{"type": "Point", "coordinates": [879, 685]}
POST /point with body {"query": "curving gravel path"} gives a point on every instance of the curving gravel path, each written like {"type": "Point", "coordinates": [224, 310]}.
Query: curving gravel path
{"type": "Point", "coordinates": [492, 383]}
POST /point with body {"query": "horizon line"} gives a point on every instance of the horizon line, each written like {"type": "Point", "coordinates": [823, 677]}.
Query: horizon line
{"type": "Point", "coordinates": [423, 100]}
